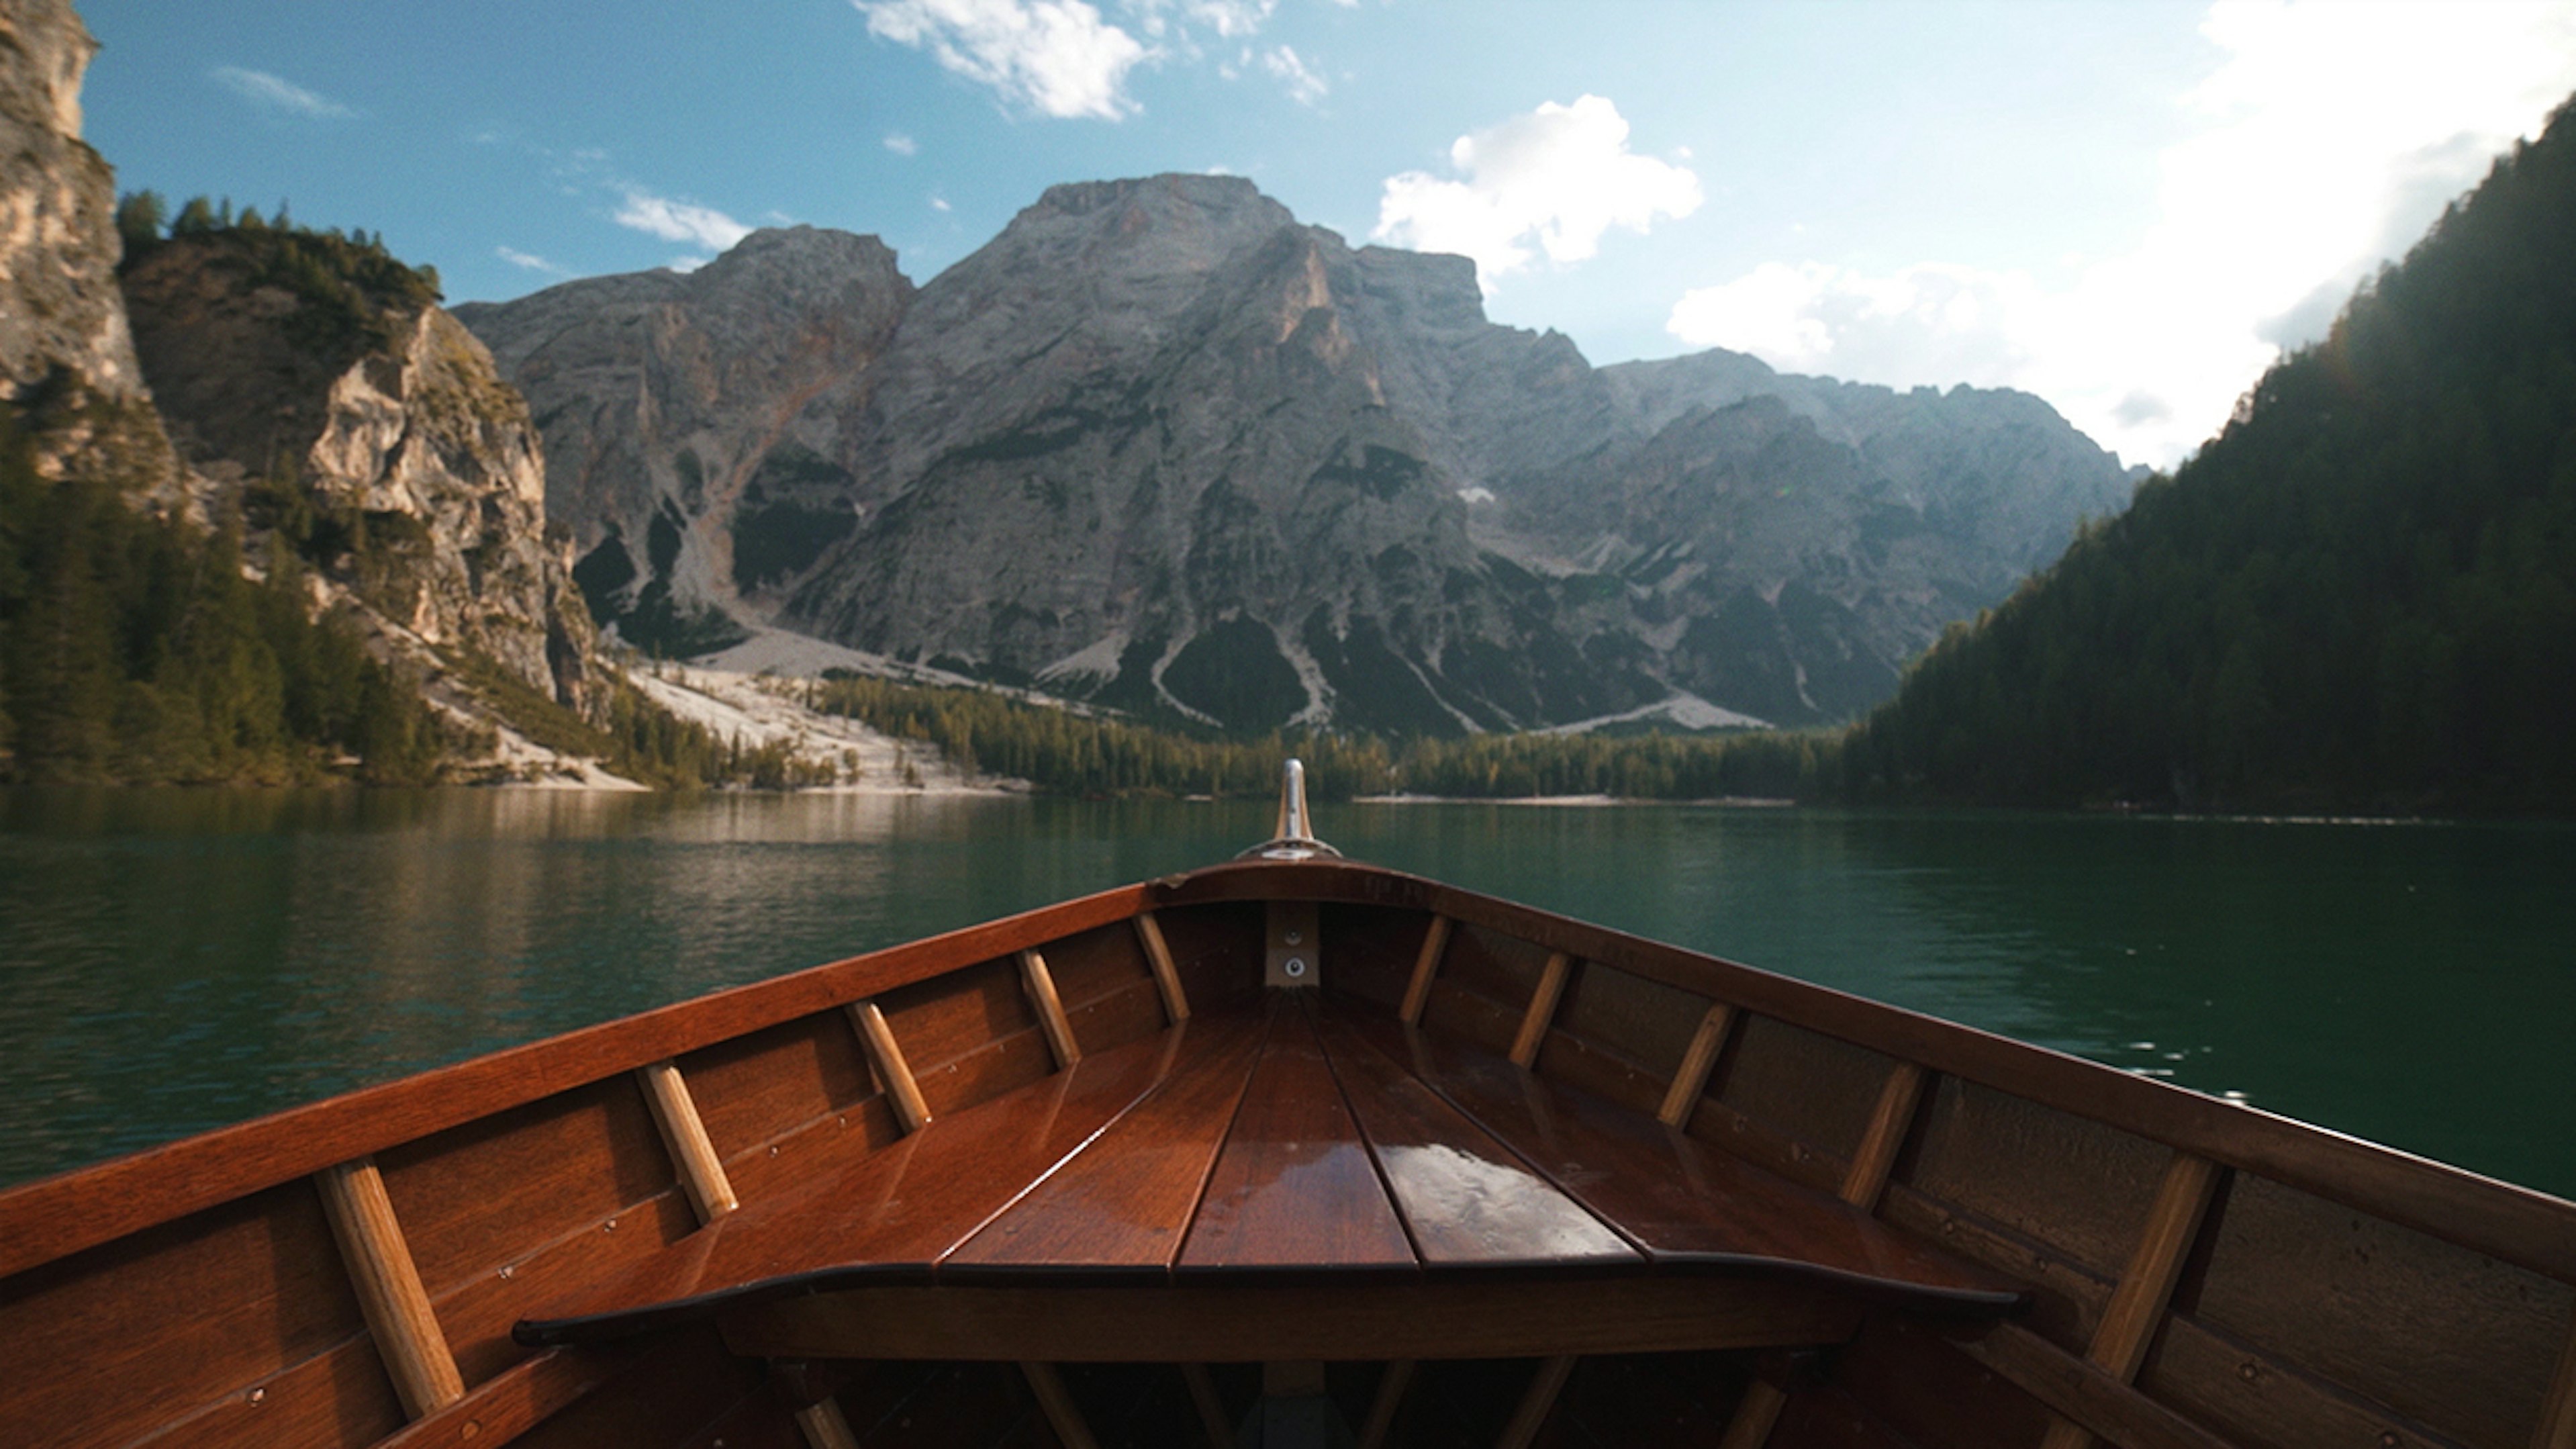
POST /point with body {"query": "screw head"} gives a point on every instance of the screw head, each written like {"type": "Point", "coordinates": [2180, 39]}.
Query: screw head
{"type": "Point", "coordinates": [1294, 965]}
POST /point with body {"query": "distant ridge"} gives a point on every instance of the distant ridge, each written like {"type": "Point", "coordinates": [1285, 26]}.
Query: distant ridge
{"type": "Point", "coordinates": [2360, 596]}
{"type": "Point", "coordinates": [1162, 447]}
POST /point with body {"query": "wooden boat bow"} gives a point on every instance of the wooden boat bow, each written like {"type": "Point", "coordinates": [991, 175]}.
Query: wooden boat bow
{"type": "Point", "coordinates": [1045, 1178]}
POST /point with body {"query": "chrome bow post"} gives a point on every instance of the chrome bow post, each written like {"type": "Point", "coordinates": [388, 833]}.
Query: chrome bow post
{"type": "Point", "coordinates": [1295, 839]}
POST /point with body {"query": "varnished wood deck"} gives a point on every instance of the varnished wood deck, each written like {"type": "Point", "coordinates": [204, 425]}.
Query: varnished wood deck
{"type": "Point", "coordinates": [1288, 1143]}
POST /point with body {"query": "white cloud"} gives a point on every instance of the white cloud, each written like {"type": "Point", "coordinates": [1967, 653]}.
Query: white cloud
{"type": "Point", "coordinates": [268, 90]}
{"type": "Point", "coordinates": [2324, 142]}
{"type": "Point", "coordinates": [1303, 86]}
{"type": "Point", "coordinates": [685, 265]}
{"type": "Point", "coordinates": [901, 144]}
{"type": "Point", "coordinates": [529, 260]}
{"type": "Point", "coordinates": [940, 204]}
{"type": "Point", "coordinates": [680, 221]}
{"type": "Point", "coordinates": [1561, 175]}
{"type": "Point", "coordinates": [1057, 57]}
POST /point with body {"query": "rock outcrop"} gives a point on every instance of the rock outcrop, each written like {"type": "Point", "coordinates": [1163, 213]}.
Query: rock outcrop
{"type": "Point", "coordinates": [311, 386]}
{"type": "Point", "coordinates": [1161, 446]}
{"type": "Point", "coordinates": [65, 355]}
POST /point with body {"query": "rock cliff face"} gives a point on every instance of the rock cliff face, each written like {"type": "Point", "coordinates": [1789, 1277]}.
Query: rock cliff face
{"type": "Point", "coordinates": [1159, 445]}
{"type": "Point", "coordinates": [64, 350]}
{"type": "Point", "coordinates": [372, 426]}
{"type": "Point", "coordinates": [692, 423]}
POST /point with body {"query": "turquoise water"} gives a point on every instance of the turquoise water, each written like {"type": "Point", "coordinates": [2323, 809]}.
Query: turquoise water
{"type": "Point", "coordinates": [172, 961]}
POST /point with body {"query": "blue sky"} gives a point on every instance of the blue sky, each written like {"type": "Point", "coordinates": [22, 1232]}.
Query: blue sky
{"type": "Point", "coordinates": [2125, 208]}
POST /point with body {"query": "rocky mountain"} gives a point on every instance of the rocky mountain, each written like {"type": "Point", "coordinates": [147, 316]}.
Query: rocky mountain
{"type": "Point", "coordinates": [312, 383]}
{"type": "Point", "coordinates": [65, 351]}
{"type": "Point", "coordinates": [1160, 446]}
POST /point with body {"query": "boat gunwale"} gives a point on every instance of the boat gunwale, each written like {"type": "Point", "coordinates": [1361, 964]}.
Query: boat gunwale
{"type": "Point", "coordinates": [70, 1212]}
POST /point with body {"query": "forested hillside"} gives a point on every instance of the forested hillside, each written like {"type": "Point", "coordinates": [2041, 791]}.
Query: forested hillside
{"type": "Point", "coordinates": [2360, 596]}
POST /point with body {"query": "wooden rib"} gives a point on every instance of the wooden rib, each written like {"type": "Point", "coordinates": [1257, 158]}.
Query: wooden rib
{"type": "Point", "coordinates": [1754, 1416]}
{"type": "Point", "coordinates": [1863, 1181]}
{"type": "Point", "coordinates": [1876, 1155]}
{"type": "Point", "coordinates": [1041, 987]}
{"type": "Point", "coordinates": [2557, 1428]}
{"type": "Point", "coordinates": [1535, 1404]}
{"type": "Point", "coordinates": [1542, 1009]}
{"type": "Point", "coordinates": [1149, 932]}
{"type": "Point", "coordinates": [2080, 1390]}
{"type": "Point", "coordinates": [825, 1426]}
{"type": "Point", "coordinates": [693, 1153]}
{"type": "Point", "coordinates": [1390, 1397]}
{"type": "Point", "coordinates": [1061, 1413]}
{"type": "Point", "coordinates": [389, 1291]}
{"type": "Point", "coordinates": [1425, 966]}
{"type": "Point", "coordinates": [1203, 1396]}
{"type": "Point", "coordinates": [909, 1108]}
{"type": "Point", "coordinates": [2147, 1284]}
{"type": "Point", "coordinates": [1682, 1097]}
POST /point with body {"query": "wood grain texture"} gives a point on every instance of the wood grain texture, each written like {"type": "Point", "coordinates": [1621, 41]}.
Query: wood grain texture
{"type": "Point", "coordinates": [1158, 955]}
{"type": "Point", "coordinates": [887, 1054]}
{"type": "Point", "coordinates": [2514, 1224]}
{"type": "Point", "coordinates": [1123, 1203]}
{"type": "Point", "coordinates": [267, 1293]}
{"type": "Point", "coordinates": [1536, 1402]}
{"type": "Point", "coordinates": [1469, 1201]}
{"type": "Point", "coordinates": [44, 1220]}
{"type": "Point", "coordinates": [2147, 1285]}
{"type": "Point", "coordinates": [2085, 1392]}
{"type": "Point", "coordinates": [899, 1211]}
{"type": "Point", "coordinates": [693, 1155]}
{"type": "Point", "coordinates": [1294, 1188]}
{"type": "Point", "coordinates": [1690, 1079]}
{"type": "Point", "coordinates": [1062, 1414]}
{"type": "Point", "coordinates": [1426, 965]}
{"type": "Point", "coordinates": [1153, 1323]}
{"type": "Point", "coordinates": [1888, 1126]}
{"type": "Point", "coordinates": [1675, 1199]}
{"type": "Point", "coordinates": [389, 1291]}
{"type": "Point", "coordinates": [1542, 1009]}
{"type": "Point", "coordinates": [1040, 984]}
{"type": "Point", "coordinates": [2248, 1396]}
{"type": "Point", "coordinates": [2446, 1338]}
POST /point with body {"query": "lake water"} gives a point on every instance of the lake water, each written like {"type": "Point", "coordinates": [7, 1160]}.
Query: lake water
{"type": "Point", "coordinates": [172, 961]}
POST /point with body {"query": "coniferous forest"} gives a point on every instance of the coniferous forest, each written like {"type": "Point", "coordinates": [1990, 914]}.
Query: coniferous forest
{"type": "Point", "coordinates": [2360, 596]}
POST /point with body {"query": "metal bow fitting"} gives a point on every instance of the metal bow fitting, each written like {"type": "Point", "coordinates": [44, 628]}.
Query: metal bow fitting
{"type": "Point", "coordinates": [1296, 839]}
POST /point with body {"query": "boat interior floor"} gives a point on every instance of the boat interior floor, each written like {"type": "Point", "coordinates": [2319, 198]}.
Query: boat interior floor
{"type": "Point", "coordinates": [1301, 1177]}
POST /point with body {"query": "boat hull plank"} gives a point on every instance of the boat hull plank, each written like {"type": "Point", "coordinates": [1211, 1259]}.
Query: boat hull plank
{"type": "Point", "coordinates": [765, 1085]}
{"type": "Point", "coordinates": [1681, 1202]}
{"type": "Point", "coordinates": [110, 1345]}
{"type": "Point", "coordinates": [1293, 1188]}
{"type": "Point", "coordinates": [2449, 1339]}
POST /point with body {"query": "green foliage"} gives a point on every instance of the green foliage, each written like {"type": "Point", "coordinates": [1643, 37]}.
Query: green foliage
{"type": "Point", "coordinates": [134, 649]}
{"type": "Point", "coordinates": [353, 290]}
{"type": "Point", "coordinates": [1066, 753]}
{"type": "Point", "coordinates": [139, 218]}
{"type": "Point", "coordinates": [2360, 596]}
